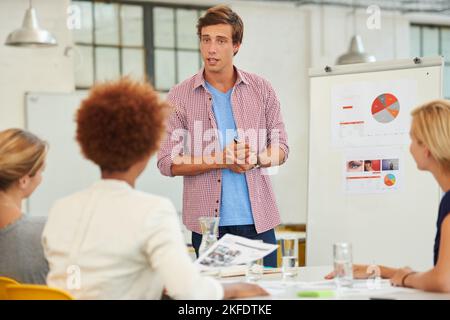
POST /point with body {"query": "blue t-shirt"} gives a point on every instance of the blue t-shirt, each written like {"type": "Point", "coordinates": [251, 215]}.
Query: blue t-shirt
{"type": "Point", "coordinates": [235, 207]}
{"type": "Point", "coordinates": [444, 209]}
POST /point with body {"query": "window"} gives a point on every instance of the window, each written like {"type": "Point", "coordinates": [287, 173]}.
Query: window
{"type": "Point", "coordinates": [175, 45]}
{"type": "Point", "coordinates": [433, 40]}
{"type": "Point", "coordinates": [137, 39]}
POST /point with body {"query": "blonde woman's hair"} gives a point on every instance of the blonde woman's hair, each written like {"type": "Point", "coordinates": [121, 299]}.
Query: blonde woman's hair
{"type": "Point", "coordinates": [21, 154]}
{"type": "Point", "coordinates": [431, 127]}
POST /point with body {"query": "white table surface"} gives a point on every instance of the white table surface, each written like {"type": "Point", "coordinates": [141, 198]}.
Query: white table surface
{"type": "Point", "coordinates": [312, 278]}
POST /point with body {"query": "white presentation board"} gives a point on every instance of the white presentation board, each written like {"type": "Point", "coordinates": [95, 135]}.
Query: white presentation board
{"type": "Point", "coordinates": [52, 117]}
{"type": "Point", "coordinates": [389, 212]}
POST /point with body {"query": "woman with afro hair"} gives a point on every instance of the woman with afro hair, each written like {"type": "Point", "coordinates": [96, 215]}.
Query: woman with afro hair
{"type": "Point", "coordinates": [111, 241]}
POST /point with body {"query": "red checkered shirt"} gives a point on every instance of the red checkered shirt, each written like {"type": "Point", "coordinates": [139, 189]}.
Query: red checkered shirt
{"type": "Point", "coordinates": [255, 106]}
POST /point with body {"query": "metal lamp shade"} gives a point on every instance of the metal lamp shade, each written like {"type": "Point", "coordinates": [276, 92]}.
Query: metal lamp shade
{"type": "Point", "coordinates": [356, 53]}
{"type": "Point", "coordinates": [30, 35]}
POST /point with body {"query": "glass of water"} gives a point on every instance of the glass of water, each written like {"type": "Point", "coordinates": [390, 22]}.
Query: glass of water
{"type": "Point", "coordinates": [254, 271]}
{"type": "Point", "coordinates": [289, 256]}
{"type": "Point", "coordinates": [343, 264]}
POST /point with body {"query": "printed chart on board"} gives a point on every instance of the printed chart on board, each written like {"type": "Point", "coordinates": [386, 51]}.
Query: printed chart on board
{"type": "Point", "coordinates": [372, 113]}
{"type": "Point", "coordinates": [374, 170]}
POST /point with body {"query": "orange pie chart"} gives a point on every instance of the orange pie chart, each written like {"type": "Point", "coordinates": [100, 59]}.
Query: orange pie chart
{"type": "Point", "coordinates": [389, 180]}
{"type": "Point", "coordinates": [385, 108]}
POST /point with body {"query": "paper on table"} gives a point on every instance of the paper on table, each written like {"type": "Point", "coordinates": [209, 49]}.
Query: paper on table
{"type": "Point", "coordinates": [233, 250]}
{"type": "Point", "coordinates": [237, 271]}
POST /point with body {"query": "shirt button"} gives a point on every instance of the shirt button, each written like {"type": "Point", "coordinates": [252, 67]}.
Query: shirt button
{"type": "Point", "coordinates": [216, 210]}
{"type": "Point", "coordinates": [217, 201]}
{"type": "Point", "coordinates": [218, 180]}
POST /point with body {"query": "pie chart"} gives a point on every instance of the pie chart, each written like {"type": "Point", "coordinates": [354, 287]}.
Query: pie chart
{"type": "Point", "coordinates": [385, 108]}
{"type": "Point", "coordinates": [389, 180]}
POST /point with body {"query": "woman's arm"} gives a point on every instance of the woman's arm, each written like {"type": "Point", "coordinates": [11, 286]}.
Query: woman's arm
{"type": "Point", "coordinates": [364, 271]}
{"type": "Point", "coordinates": [436, 279]}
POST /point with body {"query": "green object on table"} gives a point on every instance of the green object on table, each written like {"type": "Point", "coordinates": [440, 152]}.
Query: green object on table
{"type": "Point", "coordinates": [316, 294]}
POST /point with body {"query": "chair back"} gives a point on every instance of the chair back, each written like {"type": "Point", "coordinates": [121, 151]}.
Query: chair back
{"type": "Point", "coordinates": [35, 292]}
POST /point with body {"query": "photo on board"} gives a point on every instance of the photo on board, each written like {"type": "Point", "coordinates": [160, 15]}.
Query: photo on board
{"type": "Point", "coordinates": [355, 166]}
{"type": "Point", "coordinates": [371, 165]}
{"type": "Point", "coordinates": [390, 164]}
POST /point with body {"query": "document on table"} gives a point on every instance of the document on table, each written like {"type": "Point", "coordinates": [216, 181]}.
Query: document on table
{"type": "Point", "coordinates": [236, 271]}
{"type": "Point", "coordinates": [233, 250]}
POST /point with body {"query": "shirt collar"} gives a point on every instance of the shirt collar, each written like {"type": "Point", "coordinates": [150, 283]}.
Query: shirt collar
{"type": "Point", "coordinates": [199, 79]}
{"type": "Point", "coordinates": [112, 184]}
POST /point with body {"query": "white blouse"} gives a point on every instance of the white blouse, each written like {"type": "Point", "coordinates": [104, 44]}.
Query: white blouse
{"type": "Point", "coordinates": [111, 241]}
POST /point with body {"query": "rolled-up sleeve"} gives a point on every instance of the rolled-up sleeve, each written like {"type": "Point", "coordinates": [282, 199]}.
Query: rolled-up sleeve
{"type": "Point", "coordinates": [168, 145]}
{"type": "Point", "coordinates": [275, 124]}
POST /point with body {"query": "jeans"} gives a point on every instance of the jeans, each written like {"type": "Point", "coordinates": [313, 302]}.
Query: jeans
{"type": "Point", "coordinates": [246, 231]}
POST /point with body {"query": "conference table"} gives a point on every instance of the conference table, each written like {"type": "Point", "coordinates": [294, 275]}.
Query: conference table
{"type": "Point", "coordinates": [310, 281]}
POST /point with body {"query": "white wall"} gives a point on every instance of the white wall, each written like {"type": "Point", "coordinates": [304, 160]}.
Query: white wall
{"type": "Point", "coordinates": [39, 69]}
{"type": "Point", "coordinates": [275, 47]}
{"type": "Point", "coordinates": [281, 42]}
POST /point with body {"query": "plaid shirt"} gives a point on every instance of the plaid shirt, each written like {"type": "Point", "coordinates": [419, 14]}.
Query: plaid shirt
{"type": "Point", "coordinates": [255, 107]}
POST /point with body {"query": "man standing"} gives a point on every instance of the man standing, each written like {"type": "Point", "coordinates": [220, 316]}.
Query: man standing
{"type": "Point", "coordinates": [238, 113]}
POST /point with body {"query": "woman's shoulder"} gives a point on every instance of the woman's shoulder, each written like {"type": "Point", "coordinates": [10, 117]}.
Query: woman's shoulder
{"type": "Point", "coordinates": [32, 225]}
{"type": "Point", "coordinates": [446, 199]}
{"type": "Point", "coordinates": [34, 220]}
{"type": "Point", "coordinates": [154, 201]}
{"type": "Point", "coordinates": [444, 207]}
{"type": "Point", "coordinates": [73, 198]}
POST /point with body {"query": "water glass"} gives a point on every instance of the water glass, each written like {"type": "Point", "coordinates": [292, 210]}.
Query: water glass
{"type": "Point", "coordinates": [289, 256]}
{"type": "Point", "coordinates": [343, 264]}
{"type": "Point", "coordinates": [210, 232]}
{"type": "Point", "coordinates": [254, 271]}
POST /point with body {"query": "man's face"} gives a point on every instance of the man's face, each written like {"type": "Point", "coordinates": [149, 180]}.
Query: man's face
{"type": "Point", "coordinates": [217, 48]}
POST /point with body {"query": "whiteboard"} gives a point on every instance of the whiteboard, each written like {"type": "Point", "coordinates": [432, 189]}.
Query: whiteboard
{"type": "Point", "coordinates": [51, 116]}
{"type": "Point", "coordinates": [394, 229]}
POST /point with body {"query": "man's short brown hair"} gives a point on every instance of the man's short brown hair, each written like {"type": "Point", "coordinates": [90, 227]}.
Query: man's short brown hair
{"type": "Point", "coordinates": [222, 15]}
{"type": "Point", "coordinates": [120, 123]}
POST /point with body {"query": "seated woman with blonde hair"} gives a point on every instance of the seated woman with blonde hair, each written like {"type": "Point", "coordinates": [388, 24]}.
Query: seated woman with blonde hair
{"type": "Point", "coordinates": [22, 160]}
{"type": "Point", "coordinates": [430, 148]}
{"type": "Point", "coordinates": [111, 241]}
